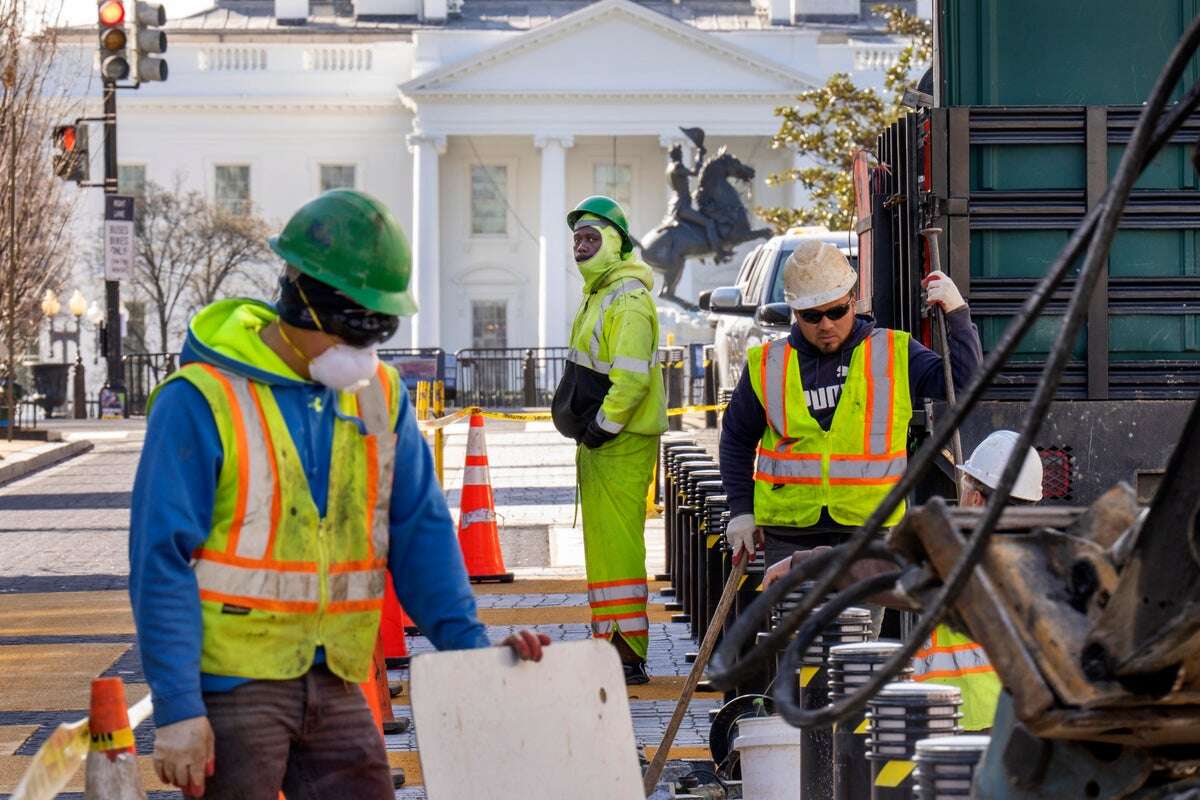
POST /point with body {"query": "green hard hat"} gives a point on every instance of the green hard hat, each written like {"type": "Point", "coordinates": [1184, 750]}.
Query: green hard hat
{"type": "Point", "coordinates": [608, 209]}
{"type": "Point", "coordinates": [349, 240]}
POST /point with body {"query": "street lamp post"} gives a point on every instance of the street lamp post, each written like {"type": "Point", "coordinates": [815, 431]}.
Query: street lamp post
{"type": "Point", "coordinates": [78, 307]}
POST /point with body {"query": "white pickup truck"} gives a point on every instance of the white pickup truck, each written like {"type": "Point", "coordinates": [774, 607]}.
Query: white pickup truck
{"type": "Point", "coordinates": [753, 311]}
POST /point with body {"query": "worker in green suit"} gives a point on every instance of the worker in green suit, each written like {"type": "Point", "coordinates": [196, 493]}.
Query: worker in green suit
{"type": "Point", "coordinates": [611, 402]}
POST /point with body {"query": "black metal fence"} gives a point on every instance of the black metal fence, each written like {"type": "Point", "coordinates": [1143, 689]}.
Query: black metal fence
{"type": "Point", "coordinates": [509, 377]}
{"type": "Point", "coordinates": [144, 371]}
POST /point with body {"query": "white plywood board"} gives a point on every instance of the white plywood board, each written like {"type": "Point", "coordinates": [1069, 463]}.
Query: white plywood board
{"type": "Point", "coordinates": [490, 726]}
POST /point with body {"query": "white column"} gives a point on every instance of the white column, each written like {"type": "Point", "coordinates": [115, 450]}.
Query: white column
{"type": "Point", "coordinates": [797, 194]}
{"type": "Point", "coordinates": [426, 149]}
{"type": "Point", "coordinates": [553, 249]}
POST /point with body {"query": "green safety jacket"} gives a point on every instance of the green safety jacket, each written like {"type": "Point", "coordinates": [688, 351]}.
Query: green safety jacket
{"type": "Point", "coordinates": [277, 579]}
{"type": "Point", "coordinates": [848, 469]}
{"type": "Point", "coordinates": [612, 381]}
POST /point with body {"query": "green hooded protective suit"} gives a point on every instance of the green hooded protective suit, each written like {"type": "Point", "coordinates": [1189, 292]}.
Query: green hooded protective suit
{"type": "Point", "coordinates": [611, 401]}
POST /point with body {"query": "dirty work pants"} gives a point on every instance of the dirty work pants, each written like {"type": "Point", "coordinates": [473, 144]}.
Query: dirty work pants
{"type": "Point", "coordinates": [313, 737]}
{"type": "Point", "coordinates": [613, 481]}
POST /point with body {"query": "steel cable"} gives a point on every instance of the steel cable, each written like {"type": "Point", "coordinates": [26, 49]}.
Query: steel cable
{"type": "Point", "coordinates": [1096, 231]}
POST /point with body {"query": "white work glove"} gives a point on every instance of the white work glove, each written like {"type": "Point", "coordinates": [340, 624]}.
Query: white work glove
{"type": "Point", "coordinates": [940, 290]}
{"type": "Point", "coordinates": [184, 754]}
{"type": "Point", "coordinates": [743, 535]}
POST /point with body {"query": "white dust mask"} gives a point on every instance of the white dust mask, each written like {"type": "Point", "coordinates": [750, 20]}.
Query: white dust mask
{"type": "Point", "coordinates": [344, 368]}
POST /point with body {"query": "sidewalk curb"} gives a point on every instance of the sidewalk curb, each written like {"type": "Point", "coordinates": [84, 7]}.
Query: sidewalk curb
{"type": "Point", "coordinates": [25, 463]}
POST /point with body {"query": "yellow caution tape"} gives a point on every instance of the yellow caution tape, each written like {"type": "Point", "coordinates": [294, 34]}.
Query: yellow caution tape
{"type": "Point", "coordinates": [862, 728]}
{"type": "Point", "coordinates": [535, 416]}
{"type": "Point", "coordinates": [894, 773]}
{"type": "Point", "coordinates": [807, 674]}
{"type": "Point", "coordinates": [713, 538]}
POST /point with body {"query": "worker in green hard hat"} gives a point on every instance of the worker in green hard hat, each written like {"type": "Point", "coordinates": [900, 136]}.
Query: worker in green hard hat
{"type": "Point", "coordinates": [611, 402]}
{"type": "Point", "coordinates": [282, 481]}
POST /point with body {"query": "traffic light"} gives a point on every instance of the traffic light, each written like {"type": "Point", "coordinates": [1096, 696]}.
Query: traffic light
{"type": "Point", "coordinates": [113, 64]}
{"type": "Point", "coordinates": [148, 42]}
{"type": "Point", "coordinates": [71, 152]}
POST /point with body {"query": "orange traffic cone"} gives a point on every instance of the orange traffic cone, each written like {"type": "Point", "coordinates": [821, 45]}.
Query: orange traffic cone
{"type": "Point", "coordinates": [112, 771]}
{"type": "Point", "coordinates": [392, 628]}
{"type": "Point", "coordinates": [379, 697]}
{"type": "Point", "coordinates": [477, 534]}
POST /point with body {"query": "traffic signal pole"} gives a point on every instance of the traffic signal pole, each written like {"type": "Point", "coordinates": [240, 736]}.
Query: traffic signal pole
{"type": "Point", "coordinates": [112, 289]}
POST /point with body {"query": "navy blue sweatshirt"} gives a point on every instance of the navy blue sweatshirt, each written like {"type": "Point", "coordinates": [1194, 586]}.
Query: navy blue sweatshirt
{"type": "Point", "coordinates": [823, 376]}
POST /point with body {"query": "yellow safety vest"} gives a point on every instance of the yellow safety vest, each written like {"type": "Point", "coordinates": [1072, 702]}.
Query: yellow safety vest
{"type": "Point", "coordinates": [851, 467]}
{"type": "Point", "coordinates": [276, 579]}
{"type": "Point", "coordinates": [954, 659]}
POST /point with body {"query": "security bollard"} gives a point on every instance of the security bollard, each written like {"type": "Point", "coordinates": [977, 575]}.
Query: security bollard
{"type": "Point", "coordinates": [816, 744]}
{"type": "Point", "coordinates": [747, 593]}
{"type": "Point", "coordinates": [685, 466]}
{"type": "Point", "coordinates": [851, 666]}
{"type": "Point", "coordinates": [671, 448]}
{"type": "Point", "coordinates": [901, 715]}
{"type": "Point", "coordinates": [946, 766]}
{"type": "Point", "coordinates": [710, 385]}
{"type": "Point", "coordinates": [705, 487]}
{"type": "Point", "coordinates": [674, 485]}
{"type": "Point", "coordinates": [715, 507]}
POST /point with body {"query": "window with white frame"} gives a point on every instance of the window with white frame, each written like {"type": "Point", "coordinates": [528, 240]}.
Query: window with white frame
{"type": "Point", "coordinates": [489, 323]}
{"type": "Point", "coordinates": [489, 196]}
{"type": "Point", "coordinates": [337, 176]}
{"type": "Point", "coordinates": [232, 188]}
{"type": "Point", "coordinates": [131, 180]}
{"type": "Point", "coordinates": [615, 181]}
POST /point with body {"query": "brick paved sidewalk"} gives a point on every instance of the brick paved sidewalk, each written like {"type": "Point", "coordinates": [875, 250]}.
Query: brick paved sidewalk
{"type": "Point", "coordinates": [63, 543]}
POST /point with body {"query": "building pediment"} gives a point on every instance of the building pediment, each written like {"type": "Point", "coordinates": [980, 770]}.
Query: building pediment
{"type": "Point", "coordinates": [613, 48]}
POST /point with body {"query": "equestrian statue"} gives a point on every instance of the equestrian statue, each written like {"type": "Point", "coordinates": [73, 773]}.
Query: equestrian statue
{"type": "Point", "coordinates": [710, 222]}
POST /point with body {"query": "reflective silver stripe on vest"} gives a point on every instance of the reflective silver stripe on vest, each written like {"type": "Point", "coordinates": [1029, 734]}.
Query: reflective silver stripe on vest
{"type": "Point", "coordinates": [943, 665]}
{"type": "Point", "coordinates": [632, 365]}
{"type": "Point", "coordinates": [632, 592]}
{"type": "Point", "coordinates": [373, 407]}
{"type": "Point", "coordinates": [585, 360]}
{"type": "Point", "coordinates": [639, 625]}
{"type": "Point", "coordinates": [868, 469]}
{"type": "Point", "coordinates": [357, 585]}
{"type": "Point", "coordinates": [255, 533]}
{"type": "Point", "coordinates": [781, 468]}
{"type": "Point", "coordinates": [258, 584]}
{"type": "Point", "coordinates": [879, 402]}
{"type": "Point", "coordinates": [775, 402]}
{"type": "Point", "coordinates": [377, 417]}
{"type": "Point", "coordinates": [627, 286]}
{"type": "Point", "coordinates": [607, 425]}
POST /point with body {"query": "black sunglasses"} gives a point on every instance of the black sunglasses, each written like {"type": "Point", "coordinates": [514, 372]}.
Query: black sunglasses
{"type": "Point", "coordinates": [812, 316]}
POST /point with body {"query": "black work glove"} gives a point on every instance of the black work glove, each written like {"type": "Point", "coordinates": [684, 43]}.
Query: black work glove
{"type": "Point", "coordinates": [595, 436]}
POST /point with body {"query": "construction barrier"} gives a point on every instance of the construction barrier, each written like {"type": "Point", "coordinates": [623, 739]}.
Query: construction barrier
{"type": "Point", "coordinates": [65, 751]}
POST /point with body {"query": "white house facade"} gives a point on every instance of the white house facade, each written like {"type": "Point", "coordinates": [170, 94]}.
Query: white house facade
{"type": "Point", "coordinates": [480, 124]}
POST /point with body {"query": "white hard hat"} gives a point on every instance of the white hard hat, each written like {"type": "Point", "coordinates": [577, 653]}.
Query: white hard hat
{"type": "Point", "coordinates": [986, 465]}
{"type": "Point", "coordinates": [816, 273]}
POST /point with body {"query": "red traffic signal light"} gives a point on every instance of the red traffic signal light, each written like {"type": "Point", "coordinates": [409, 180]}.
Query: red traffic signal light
{"type": "Point", "coordinates": [71, 152]}
{"type": "Point", "coordinates": [66, 137]}
{"type": "Point", "coordinates": [112, 12]}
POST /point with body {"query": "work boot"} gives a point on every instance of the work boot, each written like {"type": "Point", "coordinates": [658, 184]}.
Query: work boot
{"type": "Point", "coordinates": [635, 673]}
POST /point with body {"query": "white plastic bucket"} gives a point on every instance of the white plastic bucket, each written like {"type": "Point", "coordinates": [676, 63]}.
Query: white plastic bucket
{"type": "Point", "coordinates": [769, 749]}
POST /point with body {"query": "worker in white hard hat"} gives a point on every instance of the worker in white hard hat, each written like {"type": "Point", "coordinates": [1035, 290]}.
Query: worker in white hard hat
{"type": "Point", "coordinates": [948, 656]}
{"type": "Point", "coordinates": [816, 431]}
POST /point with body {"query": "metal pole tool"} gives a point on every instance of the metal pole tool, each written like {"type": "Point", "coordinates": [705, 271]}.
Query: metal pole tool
{"type": "Point", "coordinates": [689, 687]}
{"type": "Point", "coordinates": [939, 315]}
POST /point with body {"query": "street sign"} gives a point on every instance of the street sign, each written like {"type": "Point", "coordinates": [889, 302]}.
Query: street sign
{"type": "Point", "coordinates": [118, 237]}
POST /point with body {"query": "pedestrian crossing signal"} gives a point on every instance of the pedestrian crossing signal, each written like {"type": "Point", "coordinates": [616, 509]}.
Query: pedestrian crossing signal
{"type": "Point", "coordinates": [71, 152]}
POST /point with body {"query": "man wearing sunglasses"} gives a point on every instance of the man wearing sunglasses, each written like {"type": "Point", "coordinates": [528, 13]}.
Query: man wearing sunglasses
{"type": "Point", "coordinates": [282, 479]}
{"type": "Point", "coordinates": [816, 430]}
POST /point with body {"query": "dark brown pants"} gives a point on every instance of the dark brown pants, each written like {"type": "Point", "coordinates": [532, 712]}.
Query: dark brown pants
{"type": "Point", "coordinates": [313, 737]}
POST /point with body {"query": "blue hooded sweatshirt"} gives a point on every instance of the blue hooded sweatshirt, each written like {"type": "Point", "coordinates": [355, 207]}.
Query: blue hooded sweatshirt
{"type": "Point", "coordinates": [175, 488]}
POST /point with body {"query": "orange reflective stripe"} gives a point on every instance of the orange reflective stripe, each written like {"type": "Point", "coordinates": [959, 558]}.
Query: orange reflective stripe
{"type": "Point", "coordinates": [622, 582]}
{"type": "Point", "coordinates": [350, 606]}
{"type": "Point", "coordinates": [239, 435]}
{"type": "Point", "coordinates": [891, 380]}
{"type": "Point", "coordinates": [385, 386]}
{"type": "Point", "coordinates": [259, 603]}
{"type": "Point", "coordinates": [358, 566]}
{"type": "Point", "coordinates": [276, 495]}
{"type": "Point", "coordinates": [870, 399]}
{"type": "Point", "coordinates": [787, 363]}
{"type": "Point", "coordinates": [234, 560]}
{"type": "Point", "coordinates": [620, 601]}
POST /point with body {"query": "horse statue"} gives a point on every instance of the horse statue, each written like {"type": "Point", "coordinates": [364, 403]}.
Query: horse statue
{"type": "Point", "coordinates": [681, 236]}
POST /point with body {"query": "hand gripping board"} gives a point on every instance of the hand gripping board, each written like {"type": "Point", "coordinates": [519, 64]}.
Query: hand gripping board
{"type": "Point", "coordinates": [490, 726]}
